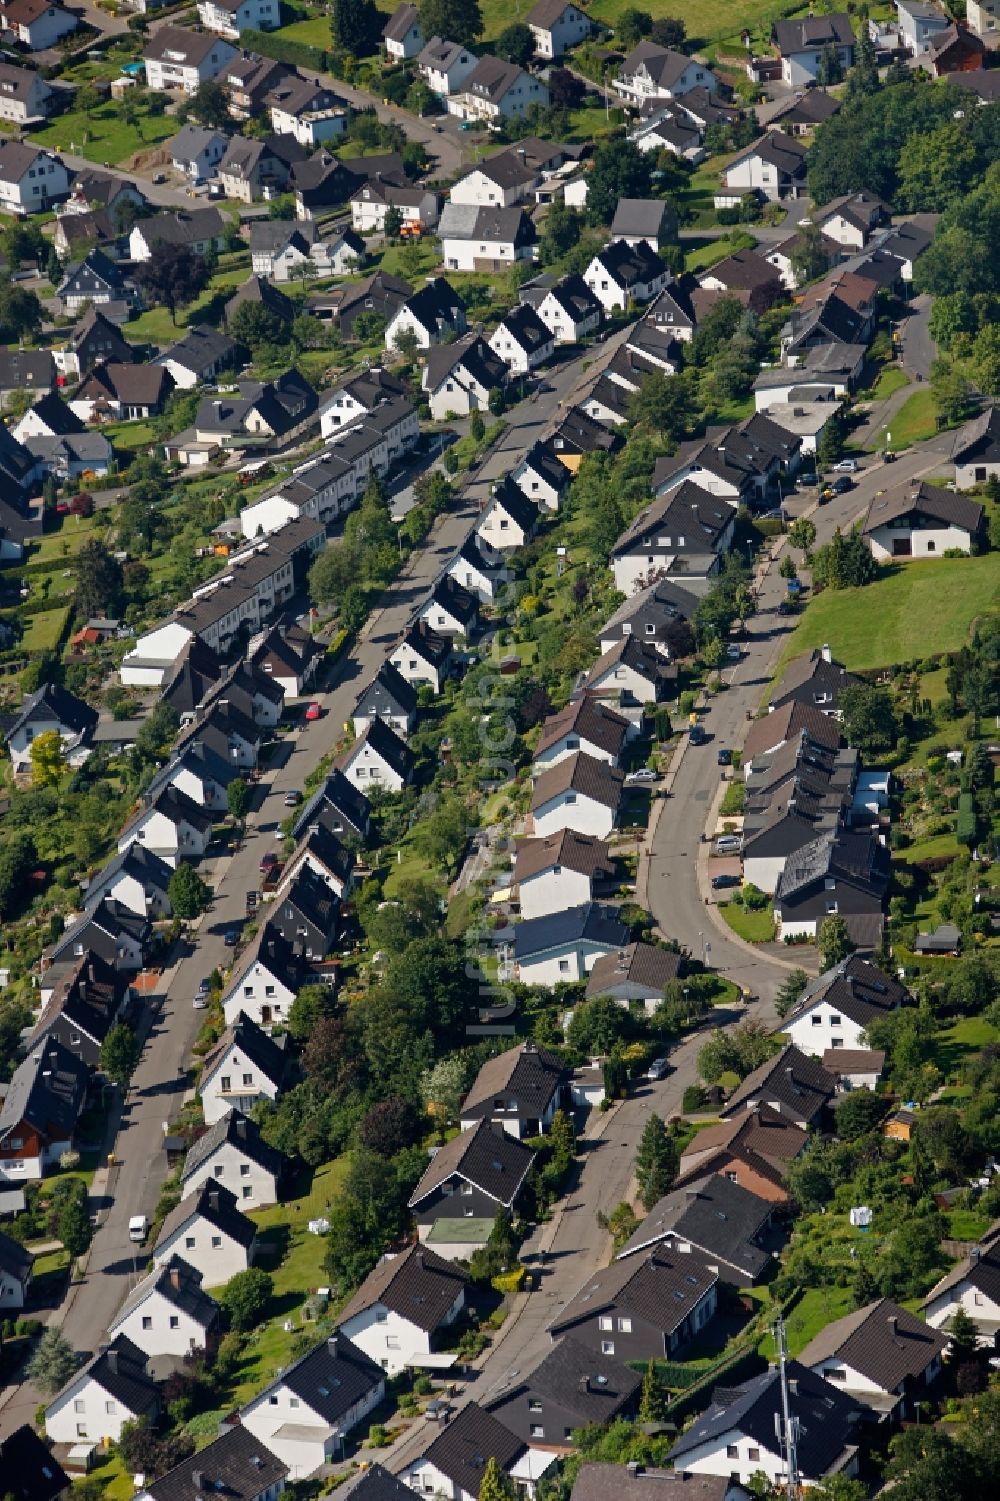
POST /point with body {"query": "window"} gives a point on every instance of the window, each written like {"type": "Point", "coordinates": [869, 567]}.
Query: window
{"type": "Point", "coordinates": [467, 1190]}
{"type": "Point", "coordinates": [225, 1083]}
{"type": "Point", "coordinates": [753, 1453]}
{"type": "Point", "coordinates": [175, 1322]}
{"type": "Point", "coordinates": [836, 1021]}
{"type": "Point", "coordinates": [605, 1322]}
{"type": "Point", "coordinates": [218, 1170]}
{"type": "Point", "coordinates": [392, 1342]}
{"type": "Point", "coordinates": [247, 1191]}
{"type": "Point", "coordinates": [816, 1019]}
{"type": "Point", "coordinates": [244, 1169]}
{"type": "Point", "coordinates": [381, 1316]}
{"type": "Point", "coordinates": [189, 1242]}
{"type": "Point", "coordinates": [536, 1430]}
{"type": "Point", "coordinates": [216, 1242]}
{"type": "Point", "coordinates": [624, 1326]}
{"type": "Point", "coordinates": [564, 966]}
{"type": "Point", "coordinates": [931, 547]}
{"type": "Point", "coordinates": [732, 1452]}
{"type": "Point", "coordinates": [111, 1409]}
{"type": "Point", "coordinates": [534, 1405]}
{"type": "Point", "coordinates": [447, 1189]}
{"type": "Point", "coordinates": [247, 1080]}
{"type": "Point", "coordinates": [79, 1405]}
{"type": "Point", "coordinates": [607, 1347]}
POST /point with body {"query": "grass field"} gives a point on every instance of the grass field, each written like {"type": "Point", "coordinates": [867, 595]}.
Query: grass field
{"type": "Point", "coordinates": [102, 135]}
{"type": "Point", "coordinates": [817, 1307]}
{"type": "Point", "coordinates": [914, 422]}
{"type": "Point", "coordinates": [753, 927]}
{"type": "Point", "coordinates": [155, 327]}
{"type": "Point", "coordinates": [710, 21]}
{"type": "Point", "coordinates": [312, 33]}
{"type": "Point", "coordinates": [44, 631]}
{"type": "Point", "coordinates": [700, 254]}
{"type": "Point", "coordinates": [891, 378]}
{"type": "Point", "coordinates": [64, 543]}
{"type": "Point", "coordinates": [916, 611]}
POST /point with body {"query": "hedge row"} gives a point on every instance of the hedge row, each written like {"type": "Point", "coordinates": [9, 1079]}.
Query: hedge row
{"type": "Point", "coordinates": [295, 54]}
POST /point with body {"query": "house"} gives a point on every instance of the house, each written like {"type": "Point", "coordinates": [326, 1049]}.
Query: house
{"type": "Point", "coordinates": [434, 313]}
{"type": "Point", "coordinates": [15, 1273]}
{"type": "Point", "coordinates": [557, 26]}
{"type": "Point", "coordinates": [508, 520]}
{"type": "Point", "coordinates": [82, 1001]}
{"type": "Point", "coordinates": [266, 980]}
{"type": "Point", "coordinates": [253, 169]}
{"type": "Point", "coordinates": [600, 1482]}
{"type": "Point", "coordinates": [644, 1308]}
{"type": "Point", "coordinates": [174, 826]}
{"type": "Point", "coordinates": [286, 250]}
{"type": "Point", "coordinates": [337, 805]}
{"type": "Point", "coordinates": [739, 1433]}
{"type": "Point", "coordinates": [972, 1284]}
{"type": "Point", "coordinates": [109, 930]}
{"type": "Point", "coordinates": [197, 771]}
{"type": "Point", "coordinates": [452, 1461]}
{"type": "Point", "coordinates": [423, 655]}
{"type": "Point", "coordinates": [623, 273]}
{"type": "Point", "coordinates": [652, 72]}
{"type": "Point", "coordinates": [306, 110]}
{"type": "Point", "coordinates": [260, 292]}
{"type": "Point", "coordinates": [388, 697]}
{"type": "Point", "coordinates": [806, 109]}
{"type": "Point", "coordinates": [121, 393]}
{"type": "Point", "coordinates": [321, 854]}
{"type": "Point", "coordinates": [210, 1232]}
{"type": "Point", "coordinates": [956, 50]}
{"type": "Point", "coordinates": [632, 674]}
{"type": "Point", "coordinates": [138, 879]}
{"type": "Point", "coordinates": [657, 614]}
{"type": "Point", "coordinates": [258, 414]}
{"type": "Point", "coordinates": [801, 45]}
{"type": "Point", "coordinates": [199, 356]}
{"type": "Point", "coordinates": [820, 372]}
{"type": "Point", "coordinates": [230, 17]}
{"type": "Point", "coordinates": [716, 1223]}
{"type": "Point", "coordinates": [71, 455]}
{"type": "Point", "coordinates": [906, 244]}
{"type": "Point", "coordinates": [31, 180]}
{"type": "Point", "coordinates": [752, 1149]}
{"type": "Point", "coordinates": [499, 182]}
{"type": "Point", "coordinates": [307, 913]}
{"type": "Point", "coordinates": [981, 17]}
{"type": "Point", "coordinates": [236, 1464]}
{"type": "Point", "coordinates": [200, 230]}
{"type": "Point", "coordinates": [568, 308]}
{"type": "Point", "coordinates": [796, 1087]}
{"type": "Point", "coordinates": [586, 724]}
{"type": "Point", "coordinates": [773, 167]}
{"type": "Point", "coordinates": [405, 1304]}
{"type": "Point", "coordinates": [649, 221]}
{"type": "Point", "coordinates": [110, 1390]}
{"type": "Point", "coordinates": [577, 793]}
{"type": "Point", "coordinates": [94, 340]}
{"type": "Point", "coordinates": [450, 609]}
{"type": "Point", "coordinates": [47, 417]}
{"type": "Point", "coordinates": [289, 657]}
{"type": "Point", "coordinates": [402, 34]}
{"type": "Point", "coordinates": [521, 1090]}
{"type": "Point", "coordinates": [578, 434]}
{"type": "Point", "coordinates": [813, 679]}
{"type": "Point", "coordinates": [484, 239]}
{"type": "Point", "coordinates": [458, 378]}
{"type": "Point", "coordinates": [25, 97]}
{"type": "Point", "coordinates": [541, 477]}
{"type": "Point", "coordinates": [26, 370]}
{"type": "Point", "coordinates": [918, 520]}
{"type": "Point", "coordinates": [747, 273]}
{"type": "Point", "coordinates": [569, 1388]}
{"type": "Point", "coordinates": [565, 870]}
{"type": "Point", "coordinates": [881, 1355]}
{"type": "Point", "coordinates": [563, 947]}
{"type": "Point", "coordinates": [176, 58]}
{"type": "Point", "coordinates": [168, 1313]}
{"type": "Point", "coordinates": [469, 1181]}
{"type": "Point", "coordinates": [845, 873]}
{"type": "Point", "coordinates": [784, 258]}
{"type": "Point", "coordinates": [378, 759]}
{"type": "Point", "coordinates": [19, 470]}
{"type": "Point", "coordinates": [444, 66]}
{"type": "Point", "coordinates": [31, 1470]}
{"type": "Point", "coordinates": [834, 1011]}
{"type": "Point", "coordinates": [638, 972]}
{"type": "Point", "coordinates": [234, 1152]}
{"type": "Point", "coordinates": [95, 282]}
{"type": "Point", "coordinates": [852, 219]}
{"type": "Point", "coordinates": [308, 1410]}
{"type": "Point", "coordinates": [976, 449]}
{"type": "Point", "coordinates": [38, 24]}
{"type": "Point", "coordinates": [325, 181]}
{"type": "Point", "coordinates": [920, 25]}
{"type": "Point", "coordinates": [684, 533]}
{"type": "Point", "coordinates": [417, 207]}
{"type": "Point", "coordinates": [50, 708]}
{"type": "Point", "coordinates": [497, 92]}
{"type": "Point", "coordinates": [479, 570]}
{"type": "Point", "coordinates": [790, 722]}
{"type": "Point", "coordinates": [196, 151]}
{"type": "Point", "coordinates": [243, 1067]}
{"type": "Point", "coordinates": [668, 127]}
{"type": "Point", "coordinates": [522, 340]}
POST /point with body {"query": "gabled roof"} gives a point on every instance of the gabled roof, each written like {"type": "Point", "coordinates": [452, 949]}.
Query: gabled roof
{"type": "Point", "coordinates": [842, 1062]}
{"type": "Point", "coordinates": [492, 79]}
{"type": "Point", "coordinates": [170, 41]}
{"type": "Point", "coordinates": [200, 349]}
{"type": "Point", "coordinates": [426, 643]}
{"type": "Point", "coordinates": [525, 327]}
{"type": "Point", "coordinates": [811, 32]}
{"type": "Point", "coordinates": [946, 507]}
{"type": "Point", "coordinates": [216, 1204]}
{"type": "Point", "coordinates": [883, 1342]}
{"type": "Point", "coordinates": [471, 1438]}
{"type": "Point", "coordinates": [46, 1092]}
{"type": "Point", "coordinates": [15, 1261]}
{"type": "Point", "coordinates": [260, 292]}
{"type": "Point", "coordinates": [132, 384]}
{"type": "Point", "coordinates": [191, 140]}
{"type": "Point", "coordinates": [744, 269]}
{"type": "Point", "coordinates": [641, 656]}
{"type": "Point", "coordinates": [645, 964]}
{"type": "Point", "coordinates": [239, 1131]}
{"type": "Point", "coordinates": [662, 603]}
{"type": "Point", "coordinates": [402, 20]}
{"type": "Point", "coordinates": [572, 294]}
{"type": "Point", "coordinates": [663, 64]}
{"type": "Point", "coordinates": [721, 1220]}
{"type": "Point", "coordinates": [262, 1050]}
{"type": "Point", "coordinates": [236, 1465]}
{"type": "Point", "coordinates": [591, 922]}
{"type": "Point", "coordinates": [120, 1370]}
{"type": "Point", "coordinates": [796, 1086]}
{"type": "Point", "coordinates": [375, 1483]}
{"type": "Point", "coordinates": [340, 795]}
{"type": "Point", "coordinates": [810, 675]}
{"type": "Point", "coordinates": [629, 265]}
{"type": "Point", "coordinates": [271, 950]}
{"type": "Point", "coordinates": [761, 1137]}
{"type": "Point", "coordinates": [854, 988]}
{"type": "Point", "coordinates": [331, 1378]}
{"type": "Point", "coordinates": [792, 719]}
{"type": "Point", "coordinates": [858, 858]}
{"type": "Point", "coordinates": [512, 499]}
{"type": "Point", "coordinates": [609, 1482]}
{"type": "Point", "coordinates": [439, 54]}
{"type": "Point", "coordinates": [980, 1269]}
{"type": "Point", "coordinates": [784, 152]}
{"type": "Point", "coordinates": [490, 1159]}
{"type": "Point", "coordinates": [661, 1287]}
{"type": "Point", "coordinates": [387, 745]}
{"type": "Point", "coordinates": [180, 1284]}
{"type": "Point", "coordinates": [418, 1286]}
{"type": "Point", "coordinates": [544, 463]}
{"type": "Point", "coordinates": [641, 216]}
{"type": "Point", "coordinates": [545, 13]}
{"type": "Point", "coordinates": [693, 519]}
{"type": "Point", "coordinates": [30, 1470]}
{"type": "Point", "coordinates": [435, 303]}
{"type": "Point", "coordinates": [589, 718]}
{"type": "Point", "coordinates": [579, 433]}
{"type": "Point", "coordinates": [59, 418]}
{"type": "Point", "coordinates": [388, 693]}
{"type": "Point", "coordinates": [527, 1072]}
{"type": "Point", "coordinates": [308, 899]}
{"type": "Point", "coordinates": [52, 701]}
{"type": "Point", "coordinates": [472, 353]}
{"type": "Point", "coordinates": [185, 227]}
{"type": "Point", "coordinates": [582, 774]}
{"type": "Point", "coordinates": [591, 1388]}
{"type": "Point", "coordinates": [577, 852]}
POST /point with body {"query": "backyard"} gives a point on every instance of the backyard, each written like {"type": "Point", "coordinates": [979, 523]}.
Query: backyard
{"type": "Point", "coordinates": [104, 135]}
{"type": "Point", "coordinates": [915, 420]}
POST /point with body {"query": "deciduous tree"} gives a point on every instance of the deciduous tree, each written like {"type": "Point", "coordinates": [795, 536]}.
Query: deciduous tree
{"type": "Point", "coordinates": [120, 1053]}
{"type": "Point", "coordinates": [246, 1296]}
{"type": "Point", "coordinates": [834, 941]}
{"type": "Point", "coordinates": [459, 20]}
{"type": "Point", "coordinates": [173, 275]}
{"type": "Point", "coordinates": [356, 27]}
{"type": "Point", "coordinates": [48, 759]}
{"type": "Point", "coordinates": [189, 895]}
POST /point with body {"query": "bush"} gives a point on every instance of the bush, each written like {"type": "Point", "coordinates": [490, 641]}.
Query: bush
{"type": "Point", "coordinates": [68, 1161]}
{"type": "Point", "coordinates": [509, 1282]}
{"type": "Point", "coordinates": [693, 1099]}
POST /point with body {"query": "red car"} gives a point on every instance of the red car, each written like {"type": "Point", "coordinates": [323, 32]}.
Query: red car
{"type": "Point", "coordinates": [314, 712]}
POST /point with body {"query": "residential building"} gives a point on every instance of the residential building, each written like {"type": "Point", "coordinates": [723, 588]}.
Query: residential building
{"type": "Point", "coordinates": [469, 1181]}
{"type": "Point", "coordinates": [521, 1090]}
{"type": "Point", "coordinates": [497, 91]}
{"type": "Point", "coordinates": [479, 570]}
{"type": "Point", "coordinates": [179, 59]}
{"type": "Point", "coordinates": [230, 17]}
{"type": "Point", "coordinates": [423, 655]}
{"type": "Point", "coordinates": [173, 826]}
{"type": "Point", "coordinates": [444, 66]}
{"type": "Point", "coordinates": [264, 983]}
{"type": "Point", "coordinates": [586, 724]}
{"type": "Point", "coordinates": [976, 449]}
{"type": "Point", "coordinates": [563, 871]}
{"type": "Point", "coordinates": [458, 378]}
{"type": "Point", "coordinates": [522, 340]}
{"type": "Point", "coordinates": [307, 913]}
{"type": "Point", "coordinates": [557, 26]}
{"type": "Point", "coordinates": [32, 1469]}
{"type": "Point", "coordinates": [197, 151]}
{"type": "Point", "coordinates": [452, 1460]}
{"type": "Point", "coordinates": [199, 356]}
{"type": "Point", "coordinates": [773, 167]}
{"type": "Point", "coordinates": [658, 614]}
{"type": "Point", "coordinates": [577, 793]}
{"type": "Point", "coordinates": [806, 109]}
{"type": "Point", "coordinates": [49, 709]}
{"type": "Point", "coordinates": [15, 1273]}
{"type": "Point", "coordinates": [337, 805]}
{"type": "Point", "coordinates": [835, 1010]}
{"type": "Point", "coordinates": [714, 1220]}
{"type": "Point", "coordinates": [636, 973]}
{"type": "Point", "coordinates": [752, 1149]}
{"type": "Point", "coordinates": [508, 520]}
{"type": "Point", "coordinates": [110, 1390]}
{"type": "Point", "coordinates": [378, 759]}
{"type": "Point", "coordinates": [801, 45]}
{"type": "Point", "coordinates": [25, 97]}
{"type": "Point", "coordinates": [402, 35]}
{"type": "Point", "coordinates": [288, 656]}
{"type": "Point", "coordinates": [41, 1106]}
{"type": "Point", "coordinates": [644, 1308]}
{"type": "Point", "coordinates": [973, 1285]}
{"type": "Point", "coordinates": [233, 1152]}
{"type": "Point", "coordinates": [599, 1482]}
{"type": "Point", "coordinates": [796, 1087]}
{"type": "Point", "coordinates": [541, 477]}
{"type": "Point", "coordinates": [624, 273]}
{"type": "Point", "coordinates": [168, 1313]}
{"type": "Point", "coordinates": [388, 697]}
{"type": "Point", "coordinates": [403, 1307]}
{"type": "Point", "coordinates": [121, 393]}
{"type": "Point", "coordinates": [846, 873]}
{"type": "Point", "coordinates": [918, 520]}
{"type": "Point", "coordinates": [956, 50]}
{"type": "Point", "coordinates": [254, 169]}
{"type": "Point", "coordinates": [814, 679]}
{"type": "Point", "coordinates": [855, 1068]}
{"type": "Point", "coordinates": [31, 180]}
{"type": "Point", "coordinates": [244, 1067]}
{"type": "Point", "coordinates": [881, 1355]}
{"type": "Point", "coordinates": [236, 1464]}
{"type": "Point", "coordinates": [210, 1232]}
{"type": "Point", "coordinates": [852, 220]}
{"type": "Point", "coordinates": [651, 72]}
{"type": "Point", "coordinates": [451, 610]}
{"type": "Point", "coordinates": [567, 307]}
{"type": "Point", "coordinates": [85, 998]}
{"type": "Point", "coordinates": [417, 207]}
{"type": "Point", "coordinates": [95, 282]}
{"type": "Point", "coordinates": [288, 250]}
{"type": "Point", "coordinates": [748, 275]}
{"type": "Point", "coordinates": [307, 110]}
{"type": "Point", "coordinates": [474, 238]}
{"type": "Point", "coordinates": [563, 947]}
{"type": "Point", "coordinates": [38, 24]}
{"type": "Point", "coordinates": [685, 532]}
{"type": "Point", "coordinates": [569, 1388]}
{"type": "Point", "coordinates": [648, 221]}
{"type": "Point", "coordinates": [200, 230]}
{"type": "Point", "coordinates": [109, 930]}
{"type": "Point", "coordinates": [434, 313]}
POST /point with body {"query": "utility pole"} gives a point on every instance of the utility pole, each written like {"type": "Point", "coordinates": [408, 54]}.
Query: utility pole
{"type": "Point", "coordinates": [789, 1438]}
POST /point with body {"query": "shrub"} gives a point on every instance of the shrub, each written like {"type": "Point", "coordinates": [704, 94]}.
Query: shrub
{"type": "Point", "coordinates": [693, 1099]}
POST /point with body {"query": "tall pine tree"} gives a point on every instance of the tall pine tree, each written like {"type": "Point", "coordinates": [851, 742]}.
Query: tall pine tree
{"type": "Point", "coordinates": [655, 1162]}
{"type": "Point", "coordinates": [356, 27]}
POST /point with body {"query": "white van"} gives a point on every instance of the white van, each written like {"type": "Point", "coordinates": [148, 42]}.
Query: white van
{"type": "Point", "coordinates": [138, 1228]}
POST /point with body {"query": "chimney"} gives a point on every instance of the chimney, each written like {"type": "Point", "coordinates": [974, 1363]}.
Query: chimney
{"type": "Point", "coordinates": [331, 1346]}
{"type": "Point", "coordinates": [497, 1128]}
{"type": "Point", "coordinates": [635, 1468]}
{"type": "Point", "coordinates": [893, 1325]}
{"type": "Point", "coordinates": [420, 1260]}
{"type": "Point", "coordinates": [793, 1385]}
{"type": "Point", "coordinates": [825, 652]}
{"type": "Point", "coordinates": [974, 1255]}
{"type": "Point", "coordinates": [198, 1479]}
{"type": "Point", "coordinates": [585, 1383]}
{"type": "Point", "coordinates": [241, 1127]}
{"type": "Point", "coordinates": [175, 1277]}
{"type": "Point", "coordinates": [112, 1359]}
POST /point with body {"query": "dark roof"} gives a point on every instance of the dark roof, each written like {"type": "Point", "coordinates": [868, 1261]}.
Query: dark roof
{"type": "Point", "coordinates": [201, 348]}
{"type": "Point", "coordinates": [458, 601]}
{"type": "Point", "coordinates": [388, 693]}
{"type": "Point", "coordinates": [721, 1220]}
{"type": "Point", "coordinates": [844, 1061]}
{"type": "Point", "coordinates": [472, 1437]}
{"type": "Point", "coordinates": [664, 65]}
{"type": "Point", "coordinates": [435, 304]}
{"type": "Point", "coordinates": [419, 1286]}
{"type": "Point", "coordinates": [402, 20]}
{"type": "Point", "coordinates": [185, 227]}
{"type": "Point", "coordinates": [342, 797]}
{"type": "Point", "coordinates": [813, 678]}
{"type": "Point", "coordinates": [582, 853]}
{"type": "Point", "coordinates": [376, 1483]}
{"type": "Point", "coordinates": [332, 1377]}
{"type": "Point", "coordinates": [788, 722]}
{"type": "Point", "coordinates": [608, 1482]}
{"type": "Point", "coordinates": [578, 432]}
{"type": "Point", "coordinates": [242, 1133]}
{"type": "Point", "coordinates": [51, 701]}
{"type": "Point", "coordinates": [139, 385]}
{"type": "Point", "coordinates": [46, 1092]}
{"type": "Point", "coordinates": [527, 1072]}
{"type": "Point", "coordinates": [524, 325]}
{"type": "Point", "coordinates": [629, 264]}
{"type": "Point", "coordinates": [643, 964]}
{"type": "Point", "coordinates": [216, 1204]}
{"type": "Point", "coordinates": [858, 858]}
{"type": "Point", "coordinates": [791, 1083]}
{"type": "Point", "coordinates": [810, 107]}
{"type": "Point", "coordinates": [258, 290]}
{"type": "Point", "coordinates": [980, 1268]}
{"type": "Point", "coordinates": [27, 369]}
{"type": "Point", "coordinates": [192, 45]}
{"type": "Point", "coordinates": [641, 216]}
{"type": "Point", "coordinates": [470, 351]}
{"type": "Point", "coordinates": [826, 1418]}
{"type": "Point", "coordinates": [235, 1464]}
{"type": "Point", "coordinates": [744, 269]}
{"type": "Point", "coordinates": [661, 1287]}
{"type": "Point", "coordinates": [591, 922]}
{"type": "Point", "coordinates": [694, 519]}
{"type": "Point", "coordinates": [545, 464]}
{"type": "Point", "coordinates": [661, 604]}
{"type": "Point", "coordinates": [178, 1282]}
{"type": "Point", "coordinates": [943, 506]}
{"type": "Point", "coordinates": [811, 32]}
{"type": "Point", "coordinates": [492, 1160]}
{"type": "Point", "coordinates": [29, 1470]}
{"type": "Point", "coordinates": [579, 773]}
{"type": "Point", "coordinates": [387, 745]}
{"type": "Point", "coordinates": [120, 1368]}
{"type": "Point", "coordinates": [591, 1388]}
{"type": "Point", "coordinates": [589, 718]}
{"type": "Point", "coordinates": [882, 1341]}
{"type": "Point", "coordinates": [854, 988]}
{"type": "Point", "coordinates": [522, 511]}
{"type": "Point", "coordinates": [15, 1261]}
{"type": "Point", "coordinates": [762, 1138]}
{"type": "Point", "coordinates": [252, 1040]}
{"type": "Point", "coordinates": [427, 643]}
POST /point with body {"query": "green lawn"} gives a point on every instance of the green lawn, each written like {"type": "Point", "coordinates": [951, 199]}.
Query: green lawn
{"type": "Point", "coordinates": [968, 1035]}
{"type": "Point", "coordinates": [118, 1483]}
{"type": "Point", "coordinates": [155, 325]}
{"type": "Point", "coordinates": [914, 422]}
{"type": "Point", "coordinates": [915, 611]}
{"type": "Point", "coordinates": [712, 20]}
{"type": "Point", "coordinates": [891, 378]}
{"type": "Point", "coordinates": [72, 533]}
{"type": "Point", "coordinates": [44, 631]}
{"type": "Point", "coordinates": [753, 927]}
{"type": "Point", "coordinates": [102, 134]}
{"type": "Point", "coordinates": [817, 1307]}
{"type": "Point", "coordinates": [700, 254]}
{"type": "Point", "coordinates": [312, 33]}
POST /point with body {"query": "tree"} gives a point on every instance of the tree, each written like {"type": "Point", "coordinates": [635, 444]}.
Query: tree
{"type": "Point", "coordinates": [209, 104]}
{"type": "Point", "coordinates": [20, 313]}
{"type": "Point", "coordinates": [391, 225]}
{"type": "Point", "coordinates": [952, 391]}
{"type": "Point", "coordinates": [443, 1087]}
{"type": "Point", "coordinates": [834, 941]}
{"type": "Point", "coordinates": [656, 1162]}
{"type": "Point", "coordinates": [844, 562]}
{"type": "Point", "coordinates": [459, 20]}
{"type": "Point", "coordinates": [668, 31]}
{"type": "Point", "coordinates": [868, 717]}
{"type": "Point", "coordinates": [652, 1405]}
{"type": "Point", "coordinates": [143, 1451]}
{"type": "Point", "coordinates": [100, 584]}
{"type": "Point", "coordinates": [25, 242]}
{"type": "Point", "coordinates": [73, 1226]}
{"type": "Point", "coordinates": [597, 1026]}
{"type": "Point", "coordinates": [561, 232]}
{"type": "Point", "coordinates": [964, 1335]}
{"type": "Point", "coordinates": [173, 275]}
{"type": "Point", "coordinates": [809, 258]}
{"type": "Point", "coordinates": [802, 533]}
{"type": "Point", "coordinates": [496, 1484]}
{"type": "Point", "coordinates": [859, 1112]}
{"type": "Point", "coordinates": [245, 1298]}
{"type": "Point", "coordinates": [632, 26]}
{"type": "Point", "coordinates": [516, 44]}
{"type": "Point", "coordinates": [120, 1052]}
{"type": "Point", "coordinates": [189, 896]}
{"type": "Point", "coordinates": [390, 1126]}
{"type": "Point", "coordinates": [863, 77]}
{"type": "Point", "coordinates": [356, 27]}
{"type": "Point", "coordinates": [52, 1363]}
{"type": "Point", "coordinates": [667, 404]}
{"type": "Point", "coordinates": [937, 169]}
{"type": "Point", "coordinates": [48, 760]}
{"type": "Point", "coordinates": [566, 91]}
{"type": "Point", "coordinates": [790, 991]}
{"type": "Point", "coordinates": [238, 799]}
{"type": "Point", "coordinates": [831, 69]}
{"type": "Point", "coordinates": [312, 1003]}
{"type": "Point", "coordinates": [257, 326]}
{"type": "Point", "coordinates": [620, 170]}
{"type": "Point", "coordinates": [325, 1050]}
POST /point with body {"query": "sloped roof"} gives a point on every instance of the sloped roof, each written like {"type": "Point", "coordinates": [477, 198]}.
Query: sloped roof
{"type": "Point", "coordinates": [591, 922]}
{"type": "Point", "coordinates": [944, 506]}
{"type": "Point", "coordinates": [473, 1436]}
{"type": "Point", "coordinates": [592, 1388]}
{"type": "Point", "coordinates": [52, 701]}
{"type": "Point", "coordinates": [120, 1369]}
{"type": "Point", "coordinates": [643, 964]}
{"type": "Point", "coordinates": [589, 718]}
{"type": "Point", "coordinates": [239, 1131]}
{"type": "Point", "coordinates": [332, 1377]}
{"type": "Point", "coordinates": [31, 1472]}
{"type": "Point", "coordinates": [661, 1287]}
{"type": "Point", "coordinates": [609, 1482]}
{"type": "Point", "coordinates": [786, 723]}
{"type": "Point", "coordinates": [882, 1341]}
{"type": "Point", "coordinates": [180, 1284]}
{"type": "Point", "coordinates": [527, 1072]}
{"type": "Point", "coordinates": [791, 1083]}
{"type": "Point", "coordinates": [721, 1220]}
{"type": "Point", "coordinates": [214, 1203]}
{"type": "Point", "coordinates": [419, 1286]}
{"type": "Point", "coordinates": [46, 1091]}
{"type": "Point", "coordinates": [403, 18]}
{"type": "Point", "coordinates": [855, 988]}
{"type": "Point", "coordinates": [236, 1464]}
{"type": "Point", "coordinates": [252, 1040]}
{"type": "Point", "coordinates": [492, 1160]}
{"type": "Point", "coordinates": [583, 774]}
{"type": "Point", "coordinates": [582, 853]}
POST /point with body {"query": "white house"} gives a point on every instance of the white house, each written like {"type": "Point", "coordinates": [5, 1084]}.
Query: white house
{"type": "Point", "coordinates": [168, 1313]}
{"type": "Point", "coordinates": [137, 879]}
{"type": "Point", "coordinates": [653, 72]}
{"type": "Point", "coordinates": [569, 310]}
{"type": "Point", "coordinates": [174, 827]}
{"type": "Point", "coordinates": [210, 1232]}
{"type": "Point", "coordinates": [304, 1415]}
{"type": "Point", "coordinates": [484, 239]}
{"type": "Point", "coordinates": [307, 110]}
{"type": "Point", "coordinates": [402, 34]}
{"type": "Point", "coordinates": [835, 1009]}
{"type": "Point", "coordinates": [500, 182]}
{"type": "Point", "coordinates": [508, 520]}
{"type": "Point", "coordinates": [37, 24]}
{"type": "Point", "coordinates": [370, 204]}
{"type": "Point", "coordinates": [881, 1354]}
{"type": "Point", "coordinates": [15, 1272]}
{"type": "Point", "coordinates": [175, 58]}
{"type": "Point", "coordinates": [586, 724]}
{"type": "Point", "coordinates": [918, 520]}
{"type": "Point", "coordinates": [522, 340]}
{"type": "Point", "coordinates": [50, 708]}
{"type": "Point", "coordinates": [920, 24]}
{"type": "Point", "coordinates": [450, 609]}
{"type": "Point", "coordinates": [541, 477]}
{"type": "Point", "coordinates": [451, 1460]}
{"type": "Point", "coordinates": [801, 44]}
{"type": "Point", "coordinates": [563, 947]}
{"type": "Point", "coordinates": [774, 167]}
{"type": "Point", "coordinates": [236, 1464]}
{"type": "Point", "coordinates": [378, 759]}
{"type": "Point", "coordinates": [850, 221]}
{"type": "Point", "coordinates": [230, 17]}
{"type": "Point", "coordinates": [972, 1284]}
{"type": "Point", "coordinates": [496, 90]}
{"type": "Point", "coordinates": [623, 273]}
{"type": "Point", "coordinates": [25, 97]}
{"type": "Point", "coordinates": [31, 180]}
{"type": "Point", "coordinates": [110, 1390]}
{"type": "Point", "coordinates": [388, 697]}
{"type": "Point", "coordinates": [444, 66]}
{"type": "Point", "coordinates": [552, 875]}
{"type": "Point", "coordinates": [557, 25]}
{"type": "Point", "coordinates": [479, 570]}
{"type": "Point", "coordinates": [433, 313]}
{"type": "Point", "coordinates": [233, 1152]}
{"type": "Point", "coordinates": [197, 152]}
{"type": "Point", "coordinates": [457, 378]}
{"type": "Point", "coordinates": [423, 656]}
{"type": "Point", "coordinates": [244, 1068]}
{"type": "Point", "coordinates": [577, 793]}
{"type": "Point", "coordinates": [403, 1306]}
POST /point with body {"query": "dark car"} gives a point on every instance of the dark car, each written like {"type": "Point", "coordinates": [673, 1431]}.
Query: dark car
{"type": "Point", "coordinates": [807, 479]}
{"type": "Point", "coordinates": [842, 484]}
{"type": "Point", "coordinates": [205, 985]}
{"type": "Point", "coordinates": [722, 883]}
{"type": "Point", "coordinates": [725, 756]}
{"type": "Point", "coordinates": [231, 937]}
{"type": "Point", "coordinates": [698, 735]}
{"type": "Point", "coordinates": [787, 607]}
{"type": "Point", "coordinates": [268, 862]}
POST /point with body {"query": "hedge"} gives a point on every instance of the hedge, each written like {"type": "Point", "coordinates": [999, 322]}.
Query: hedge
{"type": "Point", "coordinates": [295, 54]}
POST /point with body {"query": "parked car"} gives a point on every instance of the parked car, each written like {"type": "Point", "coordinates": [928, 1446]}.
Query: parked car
{"type": "Point", "coordinates": [728, 844]}
{"type": "Point", "coordinates": [206, 985]}
{"type": "Point", "coordinates": [268, 862]}
{"type": "Point", "coordinates": [725, 756]}
{"type": "Point", "coordinates": [723, 883]}
{"type": "Point", "coordinates": [808, 479]}
{"type": "Point", "coordinates": [847, 466]}
{"type": "Point", "coordinates": [698, 735]}
{"type": "Point", "coordinates": [733, 652]}
{"type": "Point", "coordinates": [842, 484]}
{"type": "Point", "coordinates": [293, 798]}
{"type": "Point", "coordinates": [138, 1228]}
{"type": "Point", "coordinates": [644, 774]}
{"type": "Point", "coordinates": [200, 1003]}
{"type": "Point", "coordinates": [231, 937]}
{"type": "Point", "coordinates": [313, 712]}
{"type": "Point", "coordinates": [657, 1068]}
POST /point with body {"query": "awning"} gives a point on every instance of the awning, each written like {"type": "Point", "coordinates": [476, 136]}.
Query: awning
{"type": "Point", "coordinates": [439, 1362]}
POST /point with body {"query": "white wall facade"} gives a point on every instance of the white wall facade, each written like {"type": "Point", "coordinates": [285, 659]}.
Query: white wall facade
{"type": "Point", "coordinates": [568, 745]}
{"type": "Point", "coordinates": [498, 530]}
{"type": "Point", "coordinates": [235, 1083]}
{"type": "Point", "coordinates": [389, 1339]}
{"type": "Point", "coordinates": [572, 961]}
{"type": "Point", "coordinates": [210, 1252]}
{"type": "Point", "coordinates": [572, 810]}
{"type": "Point", "coordinates": [923, 542]}
{"type": "Point", "coordinates": [252, 1184]}
{"type": "Point", "coordinates": [518, 359]}
{"type": "Point", "coordinates": [823, 1027]}
{"type": "Point", "coordinates": [571, 28]}
{"type": "Point", "coordinates": [553, 890]}
{"type": "Point", "coordinates": [479, 189]}
{"type": "Point", "coordinates": [159, 1327]}
{"type": "Point", "coordinates": [364, 770]}
{"type": "Point", "coordinates": [980, 1308]}
{"type": "Point", "coordinates": [277, 1407]}
{"type": "Point", "coordinates": [85, 1411]}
